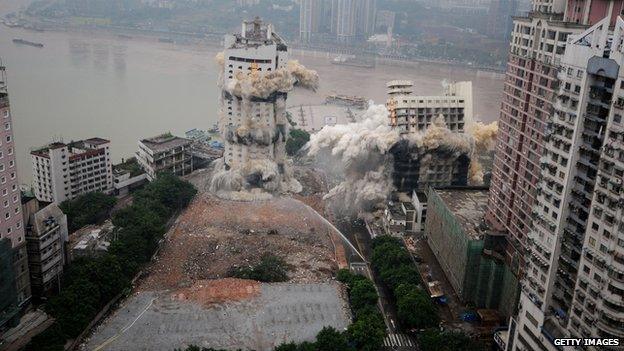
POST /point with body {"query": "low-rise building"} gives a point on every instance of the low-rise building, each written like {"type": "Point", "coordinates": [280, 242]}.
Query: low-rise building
{"type": "Point", "coordinates": [46, 234]}
{"type": "Point", "coordinates": [165, 153]}
{"type": "Point", "coordinates": [399, 215]}
{"type": "Point", "coordinates": [419, 201]}
{"type": "Point", "coordinates": [127, 175]}
{"type": "Point", "coordinates": [394, 219]}
{"type": "Point", "coordinates": [470, 254]}
{"type": "Point", "coordinates": [91, 241]}
{"type": "Point", "coordinates": [65, 171]}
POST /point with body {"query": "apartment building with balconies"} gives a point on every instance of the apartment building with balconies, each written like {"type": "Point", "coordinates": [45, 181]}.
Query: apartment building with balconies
{"type": "Point", "coordinates": [574, 281]}
{"type": "Point", "coordinates": [538, 42]}
{"type": "Point", "coordinates": [65, 171]}
{"type": "Point", "coordinates": [165, 153]}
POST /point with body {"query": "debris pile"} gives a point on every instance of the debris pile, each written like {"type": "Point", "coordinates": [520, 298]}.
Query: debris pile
{"type": "Point", "coordinates": [213, 235]}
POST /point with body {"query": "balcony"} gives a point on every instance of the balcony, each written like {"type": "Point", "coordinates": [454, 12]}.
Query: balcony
{"type": "Point", "coordinates": [610, 324]}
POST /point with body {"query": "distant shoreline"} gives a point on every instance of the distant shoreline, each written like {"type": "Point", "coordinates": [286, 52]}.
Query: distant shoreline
{"type": "Point", "coordinates": [215, 40]}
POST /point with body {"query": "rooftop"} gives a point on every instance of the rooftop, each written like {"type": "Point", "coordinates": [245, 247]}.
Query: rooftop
{"type": "Point", "coordinates": [77, 148]}
{"type": "Point", "coordinates": [468, 206]}
{"type": "Point", "coordinates": [96, 141]}
{"type": "Point", "coordinates": [164, 142]}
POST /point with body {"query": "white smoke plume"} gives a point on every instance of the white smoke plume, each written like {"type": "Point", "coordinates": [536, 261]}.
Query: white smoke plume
{"type": "Point", "coordinates": [362, 149]}
{"type": "Point", "coordinates": [263, 84]}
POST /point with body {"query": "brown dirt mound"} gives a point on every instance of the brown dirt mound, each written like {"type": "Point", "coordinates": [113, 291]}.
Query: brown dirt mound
{"type": "Point", "coordinates": [213, 235]}
{"type": "Point", "coordinates": [208, 292]}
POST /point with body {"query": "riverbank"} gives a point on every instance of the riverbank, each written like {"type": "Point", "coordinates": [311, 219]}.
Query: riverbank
{"type": "Point", "coordinates": [215, 39]}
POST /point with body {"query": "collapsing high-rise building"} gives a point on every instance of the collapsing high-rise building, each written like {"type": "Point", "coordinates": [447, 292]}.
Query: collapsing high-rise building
{"type": "Point", "coordinates": [255, 82]}
{"type": "Point", "coordinates": [417, 167]}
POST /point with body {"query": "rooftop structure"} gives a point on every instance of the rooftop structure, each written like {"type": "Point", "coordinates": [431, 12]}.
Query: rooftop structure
{"type": "Point", "coordinates": [64, 171]}
{"type": "Point", "coordinates": [165, 153]}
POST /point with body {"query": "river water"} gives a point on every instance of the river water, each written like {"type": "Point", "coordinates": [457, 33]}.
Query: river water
{"type": "Point", "coordinates": [82, 85]}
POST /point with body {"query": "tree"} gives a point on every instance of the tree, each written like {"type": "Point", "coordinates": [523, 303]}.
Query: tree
{"type": "Point", "coordinates": [296, 140]}
{"type": "Point", "coordinates": [362, 294]}
{"type": "Point", "coordinates": [414, 308]}
{"type": "Point", "coordinates": [90, 208]}
{"type": "Point", "coordinates": [329, 339]}
{"type": "Point", "coordinates": [89, 284]}
{"type": "Point", "coordinates": [368, 332]}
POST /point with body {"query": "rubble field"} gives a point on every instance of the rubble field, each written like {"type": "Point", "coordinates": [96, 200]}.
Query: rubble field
{"type": "Point", "coordinates": [213, 235]}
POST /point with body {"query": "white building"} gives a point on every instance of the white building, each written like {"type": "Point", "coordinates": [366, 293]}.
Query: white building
{"type": "Point", "coordinates": [410, 113]}
{"type": "Point", "coordinates": [64, 171]}
{"type": "Point", "coordinates": [165, 153]}
{"type": "Point", "coordinates": [574, 281]}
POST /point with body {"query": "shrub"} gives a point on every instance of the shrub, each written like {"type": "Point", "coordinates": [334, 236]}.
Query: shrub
{"type": "Point", "coordinates": [271, 269]}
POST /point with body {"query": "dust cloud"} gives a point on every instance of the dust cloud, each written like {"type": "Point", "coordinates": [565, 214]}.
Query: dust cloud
{"type": "Point", "coordinates": [360, 152]}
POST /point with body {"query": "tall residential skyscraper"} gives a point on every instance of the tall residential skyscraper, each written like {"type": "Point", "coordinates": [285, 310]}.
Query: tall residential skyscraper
{"type": "Point", "coordinates": [537, 45]}
{"type": "Point", "coordinates": [574, 281]}
{"type": "Point", "coordinates": [353, 19]}
{"type": "Point", "coordinates": [11, 222]}
{"type": "Point", "coordinates": [309, 18]}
